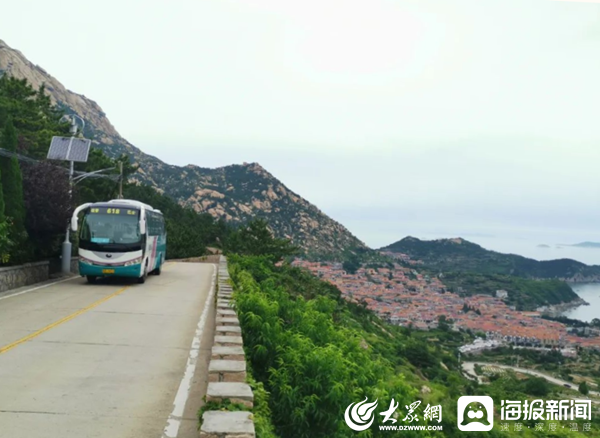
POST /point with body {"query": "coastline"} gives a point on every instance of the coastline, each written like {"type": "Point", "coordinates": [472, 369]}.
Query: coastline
{"type": "Point", "coordinates": [558, 309]}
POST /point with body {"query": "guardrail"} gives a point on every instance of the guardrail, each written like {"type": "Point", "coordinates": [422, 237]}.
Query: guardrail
{"type": "Point", "coordinates": [227, 370]}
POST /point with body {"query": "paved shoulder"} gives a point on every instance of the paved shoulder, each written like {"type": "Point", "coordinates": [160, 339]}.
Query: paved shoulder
{"type": "Point", "coordinates": [98, 360]}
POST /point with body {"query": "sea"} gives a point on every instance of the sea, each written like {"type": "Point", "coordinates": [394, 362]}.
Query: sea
{"type": "Point", "coordinates": [591, 293]}
{"type": "Point", "coordinates": [545, 246]}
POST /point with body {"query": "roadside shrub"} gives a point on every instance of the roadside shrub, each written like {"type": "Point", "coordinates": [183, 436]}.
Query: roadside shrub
{"type": "Point", "coordinates": [311, 367]}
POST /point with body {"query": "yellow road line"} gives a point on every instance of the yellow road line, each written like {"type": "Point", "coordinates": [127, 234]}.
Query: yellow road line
{"type": "Point", "coordinates": [61, 321]}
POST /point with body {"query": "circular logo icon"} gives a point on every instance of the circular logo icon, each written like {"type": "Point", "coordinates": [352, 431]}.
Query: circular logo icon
{"type": "Point", "coordinates": [360, 416]}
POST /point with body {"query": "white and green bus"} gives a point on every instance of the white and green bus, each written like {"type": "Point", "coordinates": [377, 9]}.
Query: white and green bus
{"type": "Point", "coordinates": [120, 238]}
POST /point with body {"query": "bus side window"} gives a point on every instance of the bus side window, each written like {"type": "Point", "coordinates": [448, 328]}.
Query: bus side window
{"type": "Point", "coordinates": [150, 223]}
{"type": "Point", "coordinates": [156, 224]}
{"type": "Point", "coordinates": [160, 225]}
{"type": "Point", "coordinates": [153, 224]}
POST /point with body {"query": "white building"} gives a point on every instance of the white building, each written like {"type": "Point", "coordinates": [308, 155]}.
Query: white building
{"type": "Point", "coordinates": [502, 294]}
{"type": "Point", "coordinates": [479, 345]}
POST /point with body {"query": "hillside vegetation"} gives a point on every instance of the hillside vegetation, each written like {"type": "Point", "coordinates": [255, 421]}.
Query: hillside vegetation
{"type": "Point", "coordinates": [314, 354]}
{"type": "Point", "coordinates": [469, 269]}
{"type": "Point", "coordinates": [460, 255]}
{"type": "Point", "coordinates": [524, 294]}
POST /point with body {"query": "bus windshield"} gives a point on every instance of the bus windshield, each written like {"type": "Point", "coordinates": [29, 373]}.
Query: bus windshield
{"type": "Point", "coordinates": [109, 228]}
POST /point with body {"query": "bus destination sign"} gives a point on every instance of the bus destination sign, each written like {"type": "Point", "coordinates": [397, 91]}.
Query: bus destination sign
{"type": "Point", "coordinates": [112, 210]}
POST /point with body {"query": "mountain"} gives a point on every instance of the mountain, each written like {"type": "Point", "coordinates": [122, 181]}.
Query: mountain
{"type": "Point", "coordinates": [235, 193]}
{"type": "Point", "coordinates": [459, 255]}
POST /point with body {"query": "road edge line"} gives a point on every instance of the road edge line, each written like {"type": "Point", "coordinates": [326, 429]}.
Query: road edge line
{"type": "Point", "coordinates": [171, 430]}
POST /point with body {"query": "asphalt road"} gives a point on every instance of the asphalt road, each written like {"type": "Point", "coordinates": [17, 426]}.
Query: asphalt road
{"type": "Point", "coordinates": [470, 368]}
{"type": "Point", "coordinates": [106, 360]}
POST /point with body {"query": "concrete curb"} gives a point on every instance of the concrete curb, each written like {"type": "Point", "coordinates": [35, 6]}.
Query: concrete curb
{"type": "Point", "coordinates": [227, 369]}
{"type": "Point", "coordinates": [28, 274]}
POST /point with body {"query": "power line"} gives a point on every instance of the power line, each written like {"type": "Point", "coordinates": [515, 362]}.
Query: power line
{"type": "Point", "coordinates": [85, 175]}
{"type": "Point", "coordinates": [9, 154]}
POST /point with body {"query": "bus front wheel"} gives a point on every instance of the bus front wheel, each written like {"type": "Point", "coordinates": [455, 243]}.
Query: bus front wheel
{"type": "Point", "coordinates": [157, 271]}
{"type": "Point", "coordinates": [142, 279]}
{"type": "Point", "coordinates": [91, 279]}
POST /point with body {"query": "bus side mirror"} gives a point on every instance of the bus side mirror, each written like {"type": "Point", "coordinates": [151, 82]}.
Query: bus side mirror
{"type": "Point", "coordinates": [75, 213]}
{"type": "Point", "coordinates": [142, 227]}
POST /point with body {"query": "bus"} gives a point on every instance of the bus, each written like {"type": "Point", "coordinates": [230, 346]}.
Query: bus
{"type": "Point", "coordinates": [120, 238]}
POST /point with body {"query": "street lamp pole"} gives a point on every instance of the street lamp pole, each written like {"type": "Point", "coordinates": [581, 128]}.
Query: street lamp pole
{"type": "Point", "coordinates": [67, 247]}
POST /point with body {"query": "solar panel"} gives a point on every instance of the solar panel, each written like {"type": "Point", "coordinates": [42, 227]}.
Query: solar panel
{"type": "Point", "coordinates": [69, 149]}
{"type": "Point", "coordinates": [79, 150]}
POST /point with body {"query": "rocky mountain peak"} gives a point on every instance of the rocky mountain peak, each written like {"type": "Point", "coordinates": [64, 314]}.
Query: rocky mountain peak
{"type": "Point", "coordinates": [236, 193]}
{"type": "Point", "coordinates": [14, 63]}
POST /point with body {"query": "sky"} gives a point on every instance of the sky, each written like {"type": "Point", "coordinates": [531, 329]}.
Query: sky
{"type": "Point", "coordinates": [431, 118]}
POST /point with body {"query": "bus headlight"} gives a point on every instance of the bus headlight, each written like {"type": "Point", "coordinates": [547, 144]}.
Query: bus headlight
{"type": "Point", "coordinates": [85, 261]}
{"type": "Point", "coordinates": [133, 262]}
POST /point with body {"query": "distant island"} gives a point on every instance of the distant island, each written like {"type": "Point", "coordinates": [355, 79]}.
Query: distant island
{"type": "Point", "coordinates": [586, 245]}
{"type": "Point", "coordinates": [543, 245]}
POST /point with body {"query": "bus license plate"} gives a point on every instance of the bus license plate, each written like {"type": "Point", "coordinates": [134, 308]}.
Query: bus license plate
{"type": "Point", "coordinates": [108, 271]}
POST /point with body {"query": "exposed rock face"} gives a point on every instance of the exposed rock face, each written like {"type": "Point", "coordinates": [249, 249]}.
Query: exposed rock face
{"type": "Point", "coordinates": [236, 193]}
{"type": "Point", "coordinates": [14, 63]}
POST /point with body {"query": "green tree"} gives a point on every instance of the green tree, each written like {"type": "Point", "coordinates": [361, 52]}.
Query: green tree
{"type": "Point", "coordinates": [311, 354]}
{"type": "Point", "coordinates": [12, 179]}
{"type": "Point", "coordinates": [5, 243]}
{"type": "Point", "coordinates": [100, 189]}
{"type": "Point", "coordinates": [12, 188]}
{"type": "Point", "coordinates": [419, 354]}
{"type": "Point", "coordinates": [537, 386]}
{"type": "Point", "coordinates": [444, 323]}
{"type": "Point", "coordinates": [351, 265]}
{"type": "Point", "coordinates": [583, 388]}
{"type": "Point", "coordinates": [2, 205]}
{"type": "Point", "coordinates": [34, 116]}
{"type": "Point", "coordinates": [256, 239]}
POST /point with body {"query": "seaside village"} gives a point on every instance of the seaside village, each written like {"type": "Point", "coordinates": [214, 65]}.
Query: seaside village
{"type": "Point", "coordinates": [405, 297]}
